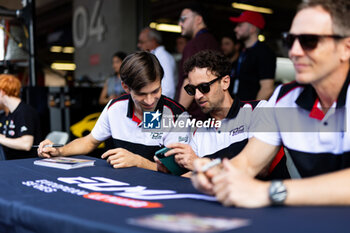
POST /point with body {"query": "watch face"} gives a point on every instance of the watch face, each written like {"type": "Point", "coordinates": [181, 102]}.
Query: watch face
{"type": "Point", "coordinates": [277, 192]}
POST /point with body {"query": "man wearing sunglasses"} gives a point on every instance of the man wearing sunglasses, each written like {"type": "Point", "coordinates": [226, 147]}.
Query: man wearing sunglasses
{"type": "Point", "coordinates": [256, 65]}
{"type": "Point", "coordinates": [193, 22]}
{"type": "Point", "coordinates": [315, 129]}
{"type": "Point", "coordinates": [209, 81]}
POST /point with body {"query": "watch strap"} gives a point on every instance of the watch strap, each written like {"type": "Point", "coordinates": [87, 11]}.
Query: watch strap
{"type": "Point", "coordinates": [277, 192]}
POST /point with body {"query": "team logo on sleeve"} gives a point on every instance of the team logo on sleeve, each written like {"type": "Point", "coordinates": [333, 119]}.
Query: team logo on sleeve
{"type": "Point", "coordinates": [24, 128]}
{"type": "Point", "coordinates": [183, 139]}
{"type": "Point", "coordinates": [156, 135]}
{"type": "Point", "coordinates": [152, 120]}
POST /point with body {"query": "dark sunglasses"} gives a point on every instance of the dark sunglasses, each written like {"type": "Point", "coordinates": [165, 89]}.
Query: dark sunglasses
{"type": "Point", "coordinates": [307, 41]}
{"type": "Point", "coordinates": [203, 87]}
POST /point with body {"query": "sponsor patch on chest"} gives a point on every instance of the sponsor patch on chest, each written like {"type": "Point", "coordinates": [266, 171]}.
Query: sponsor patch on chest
{"type": "Point", "coordinates": [238, 130]}
{"type": "Point", "coordinates": [155, 135]}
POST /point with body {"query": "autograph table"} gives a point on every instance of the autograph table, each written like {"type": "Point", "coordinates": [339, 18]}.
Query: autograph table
{"type": "Point", "coordinates": [49, 200]}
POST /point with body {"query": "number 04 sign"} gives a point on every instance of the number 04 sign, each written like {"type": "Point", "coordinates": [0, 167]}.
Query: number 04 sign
{"type": "Point", "coordinates": [84, 27]}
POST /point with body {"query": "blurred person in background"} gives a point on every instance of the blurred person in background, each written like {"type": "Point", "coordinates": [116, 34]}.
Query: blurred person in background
{"type": "Point", "coordinates": [256, 66]}
{"type": "Point", "coordinates": [193, 22]}
{"type": "Point", "coordinates": [181, 42]}
{"type": "Point", "coordinates": [113, 87]}
{"type": "Point", "coordinates": [150, 40]}
{"type": "Point", "coordinates": [19, 122]}
{"type": "Point", "coordinates": [231, 47]}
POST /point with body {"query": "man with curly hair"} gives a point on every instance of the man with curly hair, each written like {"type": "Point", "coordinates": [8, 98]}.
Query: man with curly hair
{"type": "Point", "coordinates": [209, 81]}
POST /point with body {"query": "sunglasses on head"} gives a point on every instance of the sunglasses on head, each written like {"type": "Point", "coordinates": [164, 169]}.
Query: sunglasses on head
{"type": "Point", "coordinates": [203, 87]}
{"type": "Point", "coordinates": [306, 41]}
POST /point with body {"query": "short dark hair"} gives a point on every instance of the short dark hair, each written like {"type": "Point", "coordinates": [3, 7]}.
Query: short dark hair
{"type": "Point", "coordinates": [231, 36]}
{"type": "Point", "coordinates": [214, 61]}
{"type": "Point", "coordinates": [120, 54]}
{"type": "Point", "coordinates": [200, 10]}
{"type": "Point", "coordinates": [339, 11]}
{"type": "Point", "coordinates": [140, 69]}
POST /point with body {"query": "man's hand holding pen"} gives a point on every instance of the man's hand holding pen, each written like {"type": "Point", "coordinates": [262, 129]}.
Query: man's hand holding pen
{"type": "Point", "coordinates": [204, 170]}
{"type": "Point", "coordinates": [47, 149]}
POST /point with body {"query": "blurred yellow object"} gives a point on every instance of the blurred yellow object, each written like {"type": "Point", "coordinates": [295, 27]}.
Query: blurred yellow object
{"type": "Point", "coordinates": [165, 27]}
{"type": "Point", "coordinates": [248, 7]}
{"type": "Point", "coordinates": [84, 127]}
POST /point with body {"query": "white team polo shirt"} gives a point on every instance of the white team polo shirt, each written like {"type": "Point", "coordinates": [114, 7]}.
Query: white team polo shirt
{"type": "Point", "coordinates": [317, 142]}
{"type": "Point", "coordinates": [118, 121]}
{"type": "Point", "coordinates": [228, 140]}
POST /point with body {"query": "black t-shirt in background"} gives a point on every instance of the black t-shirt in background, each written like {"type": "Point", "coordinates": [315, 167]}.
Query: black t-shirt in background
{"type": "Point", "coordinates": [258, 63]}
{"type": "Point", "coordinates": [24, 120]}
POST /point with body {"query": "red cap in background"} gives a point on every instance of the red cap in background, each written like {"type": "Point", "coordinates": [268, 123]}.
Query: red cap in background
{"type": "Point", "coordinates": [251, 17]}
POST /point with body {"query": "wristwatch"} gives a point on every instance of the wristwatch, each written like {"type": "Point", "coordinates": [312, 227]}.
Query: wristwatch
{"type": "Point", "coordinates": [277, 192]}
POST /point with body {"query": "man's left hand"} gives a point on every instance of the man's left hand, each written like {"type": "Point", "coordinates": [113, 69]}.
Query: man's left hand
{"type": "Point", "coordinates": [233, 187]}
{"type": "Point", "coordinates": [120, 158]}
